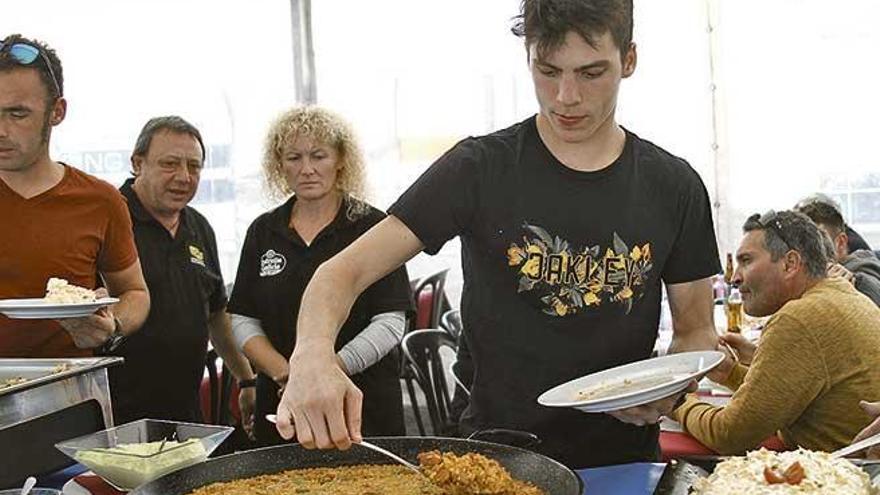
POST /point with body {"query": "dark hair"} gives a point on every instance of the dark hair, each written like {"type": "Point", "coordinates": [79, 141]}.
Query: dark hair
{"type": "Point", "coordinates": [792, 230]}
{"type": "Point", "coordinates": [824, 214]}
{"type": "Point", "coordinates": [171, 123]}
{"type": "Point", "coordinates": [8, 63]}
{"type": "Point", "coordinates": [547, 22]}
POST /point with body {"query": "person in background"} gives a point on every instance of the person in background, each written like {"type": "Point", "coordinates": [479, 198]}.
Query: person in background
{"type": "Point", "coordinates": [818, 353]}
{"type": "Point", "coordinates": [854, 240]}
{"type": "Point", "coordinates": [312, 159]}
{"type": "Point", "coordinates": [861, 267]}
{"type": "Point", "coordinates": [165, 361]}
{"type": "Point", "coordinates": [56, 220]}
{"type": "Point", "coordinates": [569, 225]}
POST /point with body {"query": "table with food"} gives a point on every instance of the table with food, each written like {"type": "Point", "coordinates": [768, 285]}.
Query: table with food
{"type": "Point", "coordinates": [150, 457]}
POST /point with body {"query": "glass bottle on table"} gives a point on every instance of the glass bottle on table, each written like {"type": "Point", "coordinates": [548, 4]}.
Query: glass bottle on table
{"type": "Point", "coordinates": [728, 272]}
{"type": "Point", "coordinates": [733, 308]}
{"type": "Point", "coordinates": [719, 288]}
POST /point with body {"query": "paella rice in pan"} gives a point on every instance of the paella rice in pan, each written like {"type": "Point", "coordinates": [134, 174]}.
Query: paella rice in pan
{"type": "Point", "coordinates": [444, 474]}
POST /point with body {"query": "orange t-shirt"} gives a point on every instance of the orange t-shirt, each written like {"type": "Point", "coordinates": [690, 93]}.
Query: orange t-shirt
{"type": "Point", "coordinates": [75, 230]}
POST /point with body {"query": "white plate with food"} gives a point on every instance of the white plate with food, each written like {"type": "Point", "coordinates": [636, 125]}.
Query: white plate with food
{"type": "Point", "coordinates": [632, 384]}
{"type": "Point", "coordinates": [39, 308]}
{"type": "Point", "coordinates": [762, 471]}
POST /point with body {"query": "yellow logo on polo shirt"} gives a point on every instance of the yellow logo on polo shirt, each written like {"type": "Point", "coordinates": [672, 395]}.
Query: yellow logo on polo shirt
{"type": "Point", "coordinates": [196, 255]}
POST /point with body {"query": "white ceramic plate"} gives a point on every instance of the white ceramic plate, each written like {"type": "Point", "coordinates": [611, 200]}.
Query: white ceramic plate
{"type": "Point", "coordinates": [38, 308]}
{"type": "Point", "coordinates": [632, 384]}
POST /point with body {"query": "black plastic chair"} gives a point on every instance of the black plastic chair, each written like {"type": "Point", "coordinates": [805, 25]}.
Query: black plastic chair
{"type": "Point", "coordinates": [220, 380]}
{"type": "Point", "coordinates": [436, 283]}
{"type": "Point", "coordinates": [429, 314]}
{"type": "Point", "coordinates": [462, 371]}
{"type": "Point", "coordinates": [422, 351]}
{"type": "Point", "coordinates": [451, 322]}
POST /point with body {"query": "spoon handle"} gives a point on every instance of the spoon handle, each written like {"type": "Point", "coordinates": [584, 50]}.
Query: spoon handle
{"type": "Point", "coordinates": [389, 454]}
{"type": "Point", "coordinates": [28, 485]}
{"type": "Point", "coordinates": [273, 419]}
{"type": "Point", "coordinates": [852, 449]}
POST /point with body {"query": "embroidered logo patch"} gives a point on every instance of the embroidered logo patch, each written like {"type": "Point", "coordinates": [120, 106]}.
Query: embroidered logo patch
{"type": "Point", "coordinates": [196, 255]}
{"type": "Point", "coordinates": [272, 263]}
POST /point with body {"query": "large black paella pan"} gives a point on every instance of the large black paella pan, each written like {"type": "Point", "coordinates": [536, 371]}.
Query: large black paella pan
{"type": "Point", "coordinates": [543, 472]}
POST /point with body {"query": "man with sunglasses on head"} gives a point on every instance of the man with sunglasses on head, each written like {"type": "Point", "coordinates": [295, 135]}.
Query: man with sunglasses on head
{"type": "Point", "coordinates": [818, 355]}
{"type": "Point", "coordinates": [56, 220]}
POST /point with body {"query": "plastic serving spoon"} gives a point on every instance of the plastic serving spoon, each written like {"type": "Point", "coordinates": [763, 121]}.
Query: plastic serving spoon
{"type": "Point", "coordinates": [862, 444]}
{"type": "Point", "coordinates": [28, 485]}
{"type": "Point", "coordinates": [363, 443]}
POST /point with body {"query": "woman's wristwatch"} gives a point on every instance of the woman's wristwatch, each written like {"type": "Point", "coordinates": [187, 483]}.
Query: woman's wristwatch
{"type": "Point", "coordinates": [247, 383]}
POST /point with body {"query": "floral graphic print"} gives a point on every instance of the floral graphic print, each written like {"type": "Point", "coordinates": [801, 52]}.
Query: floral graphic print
{"type": "Point", "coordinates": [572, 279]}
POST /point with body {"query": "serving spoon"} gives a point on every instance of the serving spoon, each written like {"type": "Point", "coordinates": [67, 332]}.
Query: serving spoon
{"type": "Point", "coordinates": [860, 445]}
{"type": "Point", "coordinates": [363, 443]}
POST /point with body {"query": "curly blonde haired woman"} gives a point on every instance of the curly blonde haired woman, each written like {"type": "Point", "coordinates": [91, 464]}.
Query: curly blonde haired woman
{"type": "Point", "coordinates": [311, 158]}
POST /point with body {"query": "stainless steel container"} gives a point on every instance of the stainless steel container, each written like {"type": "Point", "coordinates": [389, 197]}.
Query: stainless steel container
{"type": "Point", "coordinates": [57, 399]}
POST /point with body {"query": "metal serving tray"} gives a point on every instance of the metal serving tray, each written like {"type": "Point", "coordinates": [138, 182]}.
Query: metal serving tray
{"type": "Point", "coordinates": [58, 400]}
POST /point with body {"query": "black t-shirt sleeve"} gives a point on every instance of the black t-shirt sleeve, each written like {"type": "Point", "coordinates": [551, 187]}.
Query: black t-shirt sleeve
{"type": "Point", "coordinates": [442, 202]}
{"type": "Point", "coordinates": [694, 253]}
{"type": "Point", "coordinates": [241, 300]}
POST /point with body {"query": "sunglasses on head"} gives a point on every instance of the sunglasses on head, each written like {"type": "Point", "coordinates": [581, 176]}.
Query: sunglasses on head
{"type": "Point", "coordinates": [771, 220]}
{"type": "Point", "coordinates": [26, 54]}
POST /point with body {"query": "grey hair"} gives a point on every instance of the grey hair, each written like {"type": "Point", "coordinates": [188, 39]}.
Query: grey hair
{"type": "Point", "coordinates": [171, 123]}
{"type": "Point", "coordinates": [792, 230]}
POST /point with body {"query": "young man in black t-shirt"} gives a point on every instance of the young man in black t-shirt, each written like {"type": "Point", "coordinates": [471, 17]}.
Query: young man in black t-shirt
{"type": "Point", "coordinates": [569, 225]}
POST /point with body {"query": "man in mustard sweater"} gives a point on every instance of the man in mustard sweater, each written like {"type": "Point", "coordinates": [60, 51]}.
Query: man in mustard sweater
{"type": "Point", "coordinates": [818, 354]}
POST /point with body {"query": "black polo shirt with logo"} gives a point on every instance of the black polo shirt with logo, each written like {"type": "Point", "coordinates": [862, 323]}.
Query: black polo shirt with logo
{"type": "Point", "coordinates": [165, 359]}
{"type": "Point", "coordinates": [275, 268]}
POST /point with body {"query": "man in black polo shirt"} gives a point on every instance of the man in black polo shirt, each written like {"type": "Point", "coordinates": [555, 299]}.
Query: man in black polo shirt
{"type": "Point", "coordinates": [164, 362]}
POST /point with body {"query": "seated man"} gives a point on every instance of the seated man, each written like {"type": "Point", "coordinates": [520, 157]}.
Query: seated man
{"type": "Point", "coordinates": [855, 241]}
{"type": "Point", "coordinates": [818, 354]}
{"type": "Point", "coordinates": [861, 267]}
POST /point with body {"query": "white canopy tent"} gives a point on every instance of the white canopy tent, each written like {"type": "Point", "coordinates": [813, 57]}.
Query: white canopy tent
{"type": "Point", "coordinates": [768, 99]}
